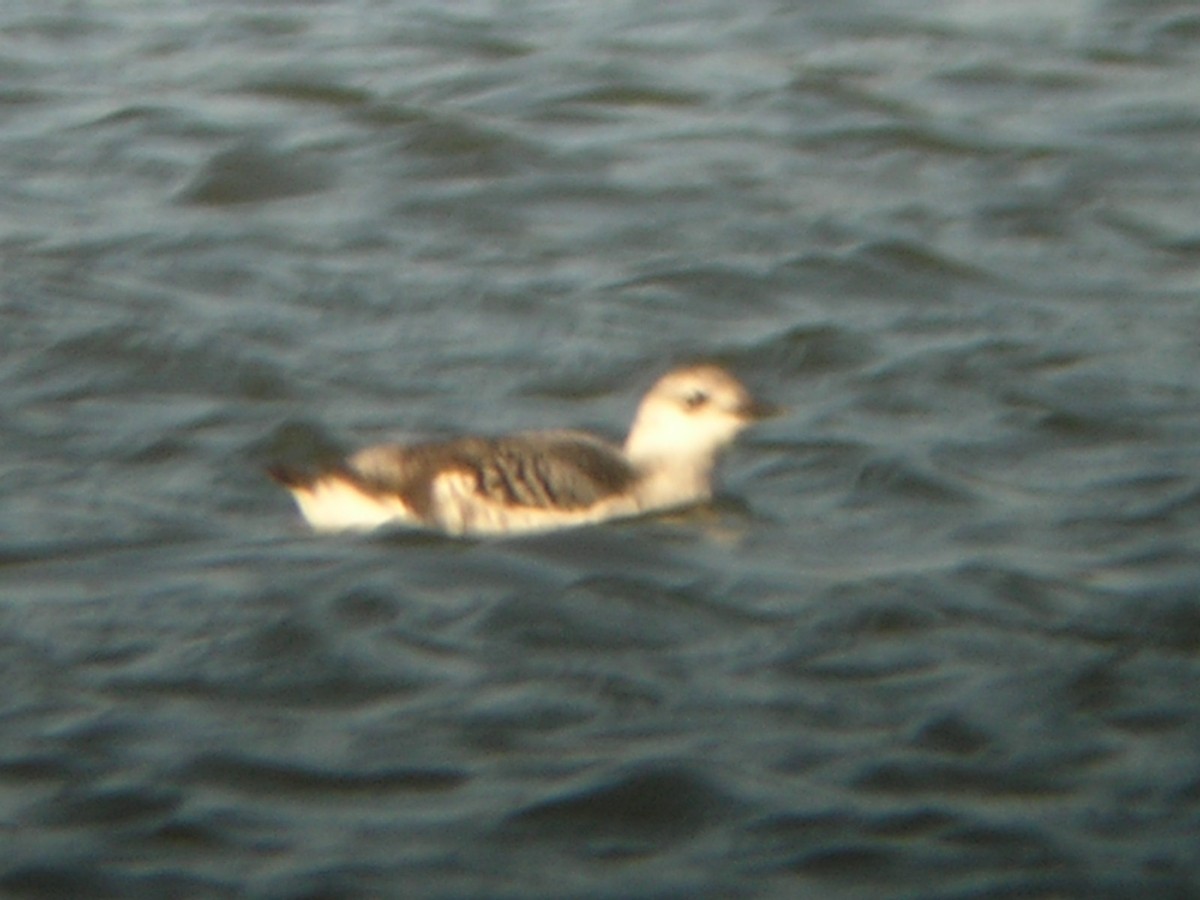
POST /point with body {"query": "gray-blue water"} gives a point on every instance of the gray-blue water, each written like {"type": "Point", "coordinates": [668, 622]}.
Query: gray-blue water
{"type": "Point", "coordinates": [938, 637]}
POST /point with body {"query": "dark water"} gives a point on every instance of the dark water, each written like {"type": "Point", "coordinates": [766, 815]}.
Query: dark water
{"type": "Point", "coordinates": [939, 637]}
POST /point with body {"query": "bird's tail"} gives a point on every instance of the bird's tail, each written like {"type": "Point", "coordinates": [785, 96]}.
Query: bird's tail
{"type": "Point", "coordinates": [289, 476]}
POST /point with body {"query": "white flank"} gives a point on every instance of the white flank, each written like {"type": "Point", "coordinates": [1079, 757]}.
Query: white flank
{"type": "Point", "coordinates": [333, 504]}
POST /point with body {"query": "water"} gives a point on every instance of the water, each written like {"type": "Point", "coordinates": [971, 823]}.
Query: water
{"type": "Point", "coordinates": [939, 635]}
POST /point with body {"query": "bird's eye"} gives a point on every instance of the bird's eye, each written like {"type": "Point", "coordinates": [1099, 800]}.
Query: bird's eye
{"type": "Point", "coordinates": [695, 400]}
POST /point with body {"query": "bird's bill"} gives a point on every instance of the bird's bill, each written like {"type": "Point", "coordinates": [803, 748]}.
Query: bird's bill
{"type": "Point", "coordinates": [755, 411]}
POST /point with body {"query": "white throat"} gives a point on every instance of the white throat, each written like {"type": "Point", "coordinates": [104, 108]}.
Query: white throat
{"type": "Point", "coordinates": [674, 462]}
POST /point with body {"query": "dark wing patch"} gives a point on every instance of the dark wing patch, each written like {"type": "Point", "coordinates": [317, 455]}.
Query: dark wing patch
{"type": "Point", "coordinates": [566, 471]}
{"type": "Point", "coordinates": [538, 470]}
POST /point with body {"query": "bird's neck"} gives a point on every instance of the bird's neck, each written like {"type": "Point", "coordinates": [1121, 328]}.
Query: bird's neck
{"type": "Point", "coordinates": [669, 479]}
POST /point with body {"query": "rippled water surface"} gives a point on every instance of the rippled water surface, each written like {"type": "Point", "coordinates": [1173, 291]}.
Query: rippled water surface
{"type": "Point", "coordinates": [939, 636]}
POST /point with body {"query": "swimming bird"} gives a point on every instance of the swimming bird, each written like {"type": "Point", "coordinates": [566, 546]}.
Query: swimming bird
{"type": "Point", "coordinates": [539, 480]}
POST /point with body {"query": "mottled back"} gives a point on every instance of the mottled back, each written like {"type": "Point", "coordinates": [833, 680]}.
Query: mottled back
{"type": "Point", "coordinates": [543, 470]}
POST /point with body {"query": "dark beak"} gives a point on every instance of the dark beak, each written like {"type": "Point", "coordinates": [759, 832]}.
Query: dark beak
{"type": "Point", "coordinates": [755, 411]}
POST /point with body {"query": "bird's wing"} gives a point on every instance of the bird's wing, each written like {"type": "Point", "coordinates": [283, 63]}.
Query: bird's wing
{"type": "Point", "coordinates": [537, 470]}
